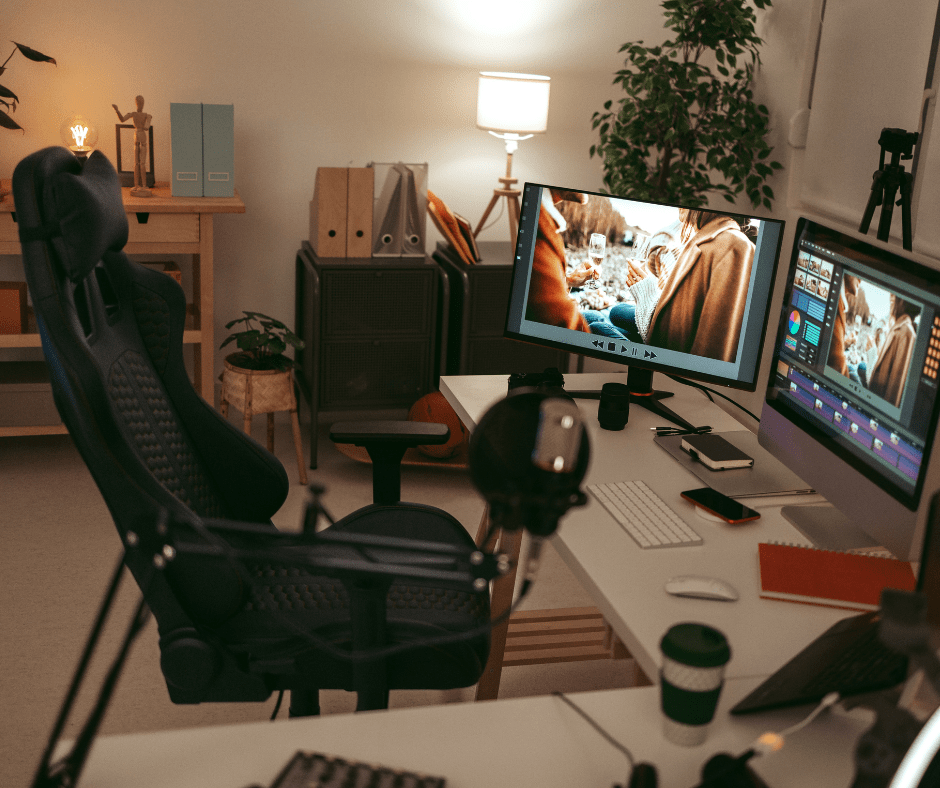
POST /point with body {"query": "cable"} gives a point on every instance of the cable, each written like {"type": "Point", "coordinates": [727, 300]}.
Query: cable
{"type": "Point", "coordinates": [277, 706]}
{"type": "Point", "coordinates": [830, 700]}
{"type": "Point", "coordinates": [708, 392]}
{"type": "Point", "coordinates": [660, 431]}
{"type": "Point", "coordinates": [772, 742]}
{"type": "Point", "coordinates": [590, 720]}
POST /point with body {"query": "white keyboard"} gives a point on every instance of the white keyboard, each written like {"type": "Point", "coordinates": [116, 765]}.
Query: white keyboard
{"type": "Point", "coordinates": [644, 515]}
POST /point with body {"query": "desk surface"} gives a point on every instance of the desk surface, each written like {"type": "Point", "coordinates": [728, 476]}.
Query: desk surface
{"type": "Point", "coordinates": [520, 742]}
{"type": "Point", "coordinates": [627, 582]}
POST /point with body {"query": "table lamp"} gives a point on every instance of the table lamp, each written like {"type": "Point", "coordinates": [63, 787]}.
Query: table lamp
{"type": "Point", "coordinates": [79, 135]}
{"type": "Point", "coordinates": [512, 107]}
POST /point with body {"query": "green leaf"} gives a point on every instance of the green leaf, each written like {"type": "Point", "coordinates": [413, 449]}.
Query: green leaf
{"type": "Point", "coordinates": [33, 55]}
{"type": "Point", "coordinates": [7, 122]}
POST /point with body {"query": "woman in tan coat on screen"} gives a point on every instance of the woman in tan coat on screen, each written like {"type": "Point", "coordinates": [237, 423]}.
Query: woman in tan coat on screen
{"type": "Point", "coordinates": [701, 307]}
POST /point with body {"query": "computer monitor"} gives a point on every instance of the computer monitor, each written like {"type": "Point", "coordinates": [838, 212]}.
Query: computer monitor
{"type": "Point", "coordinates": [851, 404]}
{"type": "Point", "coordinates": [698, 305]}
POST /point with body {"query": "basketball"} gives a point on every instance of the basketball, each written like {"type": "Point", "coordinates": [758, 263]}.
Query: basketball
{"type": "Point", "coordinates": [434, 408]}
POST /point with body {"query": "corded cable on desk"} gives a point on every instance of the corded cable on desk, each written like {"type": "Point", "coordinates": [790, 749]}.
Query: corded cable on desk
{"type": "Point", "coordinates": [660, 431]}
{"type": "Point", "coordinates": [708, 392]}
{"type": "Point", "coordinates": [594, 724]}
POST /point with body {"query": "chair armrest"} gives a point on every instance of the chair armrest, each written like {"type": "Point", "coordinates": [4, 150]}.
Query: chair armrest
{"type": "Point", "coordinates": [401, 433]}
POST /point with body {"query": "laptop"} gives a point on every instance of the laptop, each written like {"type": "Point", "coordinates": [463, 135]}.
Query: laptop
{"type": "Point", "coordinates": [849, 658]}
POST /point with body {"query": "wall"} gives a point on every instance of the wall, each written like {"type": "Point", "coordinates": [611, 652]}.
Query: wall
{"type": "Point", "coordinates": [331, 84]}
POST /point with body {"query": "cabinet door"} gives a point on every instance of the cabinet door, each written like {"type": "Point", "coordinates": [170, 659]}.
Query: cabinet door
{"type": "Point", "coordinates": [374, 373]}
{"type": "Point", "coordinates": [364, 302]}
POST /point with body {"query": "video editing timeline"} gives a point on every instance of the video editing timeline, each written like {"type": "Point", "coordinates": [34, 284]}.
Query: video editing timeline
{"type": "Point", "coordinates": [857, 424]}
{"type": "Point", "coordinates": [891, 436]}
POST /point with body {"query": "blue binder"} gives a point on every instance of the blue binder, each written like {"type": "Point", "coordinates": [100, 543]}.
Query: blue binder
{"type": "Point", "coordinates": [186, 150]}
{"type": "Point", "coordinates": [218, 150]}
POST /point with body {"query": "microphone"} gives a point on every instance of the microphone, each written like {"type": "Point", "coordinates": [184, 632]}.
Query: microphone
{"type": "Point", "coordinates": [528, 455]}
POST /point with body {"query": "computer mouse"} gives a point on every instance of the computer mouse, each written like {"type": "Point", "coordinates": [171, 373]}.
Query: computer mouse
{"type": "Point", "coordinates": [700, 588]}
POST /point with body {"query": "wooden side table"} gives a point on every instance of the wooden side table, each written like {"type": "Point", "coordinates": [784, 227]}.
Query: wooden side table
{"type": "Point", "coordinates": [161, 224]}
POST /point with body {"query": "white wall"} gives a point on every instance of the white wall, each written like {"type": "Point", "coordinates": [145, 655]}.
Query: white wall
{"type": "Point", "coordinates": [329, 83]}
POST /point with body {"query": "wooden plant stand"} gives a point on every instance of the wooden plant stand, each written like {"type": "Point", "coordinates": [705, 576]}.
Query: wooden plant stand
{"type": "Point", "coordinates": [268, 391]}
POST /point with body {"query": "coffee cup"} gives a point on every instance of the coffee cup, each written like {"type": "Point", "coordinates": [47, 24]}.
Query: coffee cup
{"type": "Point", "coordinates": [691, 678]}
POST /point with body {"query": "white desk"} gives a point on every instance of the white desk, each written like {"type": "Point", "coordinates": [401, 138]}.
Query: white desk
{"type": "Point", "coordinates": [627, 582]}
{"type": "Point", "coordinates": [519, 743]}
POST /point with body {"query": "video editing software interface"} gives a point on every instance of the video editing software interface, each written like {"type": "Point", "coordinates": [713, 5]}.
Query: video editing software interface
{"type": "Point", "coordinates": [858, 354]}
{"type": "Point", "coordinates": [701, 311]}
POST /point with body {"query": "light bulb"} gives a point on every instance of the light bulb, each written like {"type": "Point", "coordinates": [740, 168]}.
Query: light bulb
{"type": "Point", "coordinates": [79, 134]}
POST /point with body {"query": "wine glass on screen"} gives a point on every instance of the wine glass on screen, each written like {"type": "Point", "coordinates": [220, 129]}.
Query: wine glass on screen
{"type": "Point", "coordinates": [597, 248]}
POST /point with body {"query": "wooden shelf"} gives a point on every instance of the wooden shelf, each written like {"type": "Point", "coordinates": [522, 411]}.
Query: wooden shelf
{"type": "Point", "coordinates": [159, 225]}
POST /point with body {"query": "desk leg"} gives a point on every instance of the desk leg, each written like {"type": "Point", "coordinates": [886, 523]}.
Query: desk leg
{"type": "Point", "coordinates": [500, 601]}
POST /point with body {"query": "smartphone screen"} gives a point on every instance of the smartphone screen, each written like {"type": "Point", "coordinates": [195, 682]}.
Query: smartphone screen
{"type": "Point", "coordinates": [720, 505]}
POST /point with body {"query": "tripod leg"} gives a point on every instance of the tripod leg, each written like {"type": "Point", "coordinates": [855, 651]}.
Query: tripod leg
{"type": "Point", "coordinates": [874, 200]}
{"type": "Point", "coordinates": [887, 208]}
{"type": "Point", "coordinates": [486, 213]}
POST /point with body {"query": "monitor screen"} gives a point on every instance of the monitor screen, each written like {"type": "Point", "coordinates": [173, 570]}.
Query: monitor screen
{"type": "Point", "coordinates": [655, 286]}
{"type": "Point", "coordinates": [855, 371]}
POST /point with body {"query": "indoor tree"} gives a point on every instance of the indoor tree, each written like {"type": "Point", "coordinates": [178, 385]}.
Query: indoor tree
{"type": "Point", "coordinates": [683, 130]}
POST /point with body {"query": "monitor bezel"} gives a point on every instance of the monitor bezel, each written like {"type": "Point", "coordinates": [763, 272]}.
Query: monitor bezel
{"type": "Point", "coordinates": [520, 271]}
{"type": "Point", "coordinates": [903, 268]}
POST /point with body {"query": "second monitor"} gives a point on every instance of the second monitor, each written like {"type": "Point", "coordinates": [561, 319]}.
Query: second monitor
{"type": "Point", "coordinates": [652, 286]}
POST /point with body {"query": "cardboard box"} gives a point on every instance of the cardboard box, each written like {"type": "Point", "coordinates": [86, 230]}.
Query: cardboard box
{"type": "Point", "coordinates": [13, 307]}
{"type": "Point", "coordinates": [328, 212]}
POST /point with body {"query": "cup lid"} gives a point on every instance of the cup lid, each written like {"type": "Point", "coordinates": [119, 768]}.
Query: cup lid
{"type": "Point", "coordinates": [698, 645]}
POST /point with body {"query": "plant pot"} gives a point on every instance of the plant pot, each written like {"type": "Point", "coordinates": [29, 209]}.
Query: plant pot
{"type": "Point", "coordinates": [258, 390]}
{"type": "Point", "coordinates": [262, 391]}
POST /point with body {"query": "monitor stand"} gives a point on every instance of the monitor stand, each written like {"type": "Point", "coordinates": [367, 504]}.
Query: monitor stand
{"type": "Point", "coordinates": [642, 393]}
{"type": "Point", "coordinates": [827, 528]}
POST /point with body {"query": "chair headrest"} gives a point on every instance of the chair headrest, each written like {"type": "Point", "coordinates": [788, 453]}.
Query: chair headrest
{"type": "Point", "coordinates": [90, 214]}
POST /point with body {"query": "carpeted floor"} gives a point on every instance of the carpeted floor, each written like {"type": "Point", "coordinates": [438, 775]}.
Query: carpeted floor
{"type": "Point", "coordinates": [60, 548]}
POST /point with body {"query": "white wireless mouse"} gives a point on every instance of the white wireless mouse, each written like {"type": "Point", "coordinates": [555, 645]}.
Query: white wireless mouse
{"type": "Point", "coordinates": [700, 588]}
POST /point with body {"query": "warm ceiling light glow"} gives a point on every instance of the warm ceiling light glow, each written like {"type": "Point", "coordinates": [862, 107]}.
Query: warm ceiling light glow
{"type": "Point", "coordinates": [496, 17]}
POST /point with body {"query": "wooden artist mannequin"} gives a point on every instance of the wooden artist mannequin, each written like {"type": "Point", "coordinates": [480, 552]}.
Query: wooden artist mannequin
{"type": "Point", "coordinates": [141, 121]}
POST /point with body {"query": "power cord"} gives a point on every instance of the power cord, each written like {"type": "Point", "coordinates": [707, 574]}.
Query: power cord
{"type": "Point", "coordinates": [720, 766]}
{"type": "Point", "coordinates": [594, 724]}
{"type": "Point", "coordinates": [709, 391]}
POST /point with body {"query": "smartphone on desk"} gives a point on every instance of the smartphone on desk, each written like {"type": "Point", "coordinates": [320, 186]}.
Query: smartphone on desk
{"type": "Point", "coordinates": [720, 505]}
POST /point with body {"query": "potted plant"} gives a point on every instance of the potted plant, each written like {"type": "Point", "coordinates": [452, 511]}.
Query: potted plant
{"type": "Point", "coordinates": [680, 124]}
{"type": "Point", "coordinates": [258, 378]}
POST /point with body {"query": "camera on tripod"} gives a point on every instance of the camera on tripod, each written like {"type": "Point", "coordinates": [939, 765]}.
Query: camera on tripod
{"type": "Point", "coordinates": [886, 182]}
{"type": "Point", "coordinates": [897, 141]}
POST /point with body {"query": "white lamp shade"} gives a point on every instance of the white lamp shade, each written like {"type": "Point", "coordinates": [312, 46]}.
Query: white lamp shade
{"type": "Point", "coordinates": [512, 103]}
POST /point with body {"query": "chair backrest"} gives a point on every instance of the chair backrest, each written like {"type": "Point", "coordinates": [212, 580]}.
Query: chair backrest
{"type": "Point", "coordinates": [112, 335]}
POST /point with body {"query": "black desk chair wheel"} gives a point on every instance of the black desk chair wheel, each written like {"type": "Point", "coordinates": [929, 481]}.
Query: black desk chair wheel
{"type": "Point", "coordinates": [112, 336]}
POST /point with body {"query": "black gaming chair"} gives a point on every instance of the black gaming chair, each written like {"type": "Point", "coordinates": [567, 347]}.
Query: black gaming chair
{"type": "Point", "coordinates": [112, 335]}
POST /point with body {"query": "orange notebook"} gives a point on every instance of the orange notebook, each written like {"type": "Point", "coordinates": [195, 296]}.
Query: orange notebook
{"type": "Point", "coordinates": [797, 573]}
{"type": "Point", "coordinates": [445, 222]}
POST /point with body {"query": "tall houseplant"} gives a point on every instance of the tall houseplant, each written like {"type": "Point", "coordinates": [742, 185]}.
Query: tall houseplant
{"type": "Point", "coordinates": [683, 131]}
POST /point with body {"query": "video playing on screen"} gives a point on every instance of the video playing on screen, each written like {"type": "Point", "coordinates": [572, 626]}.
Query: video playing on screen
{"type": "Point", "coordinates": [640, 282]}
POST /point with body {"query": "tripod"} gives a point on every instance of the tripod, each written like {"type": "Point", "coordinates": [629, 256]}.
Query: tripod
{"type": "Point", "coordinates": [885, 184]}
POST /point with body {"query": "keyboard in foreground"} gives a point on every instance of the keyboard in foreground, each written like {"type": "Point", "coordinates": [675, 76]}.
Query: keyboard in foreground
{"type": "Point", "coordinates": [644, 515]}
